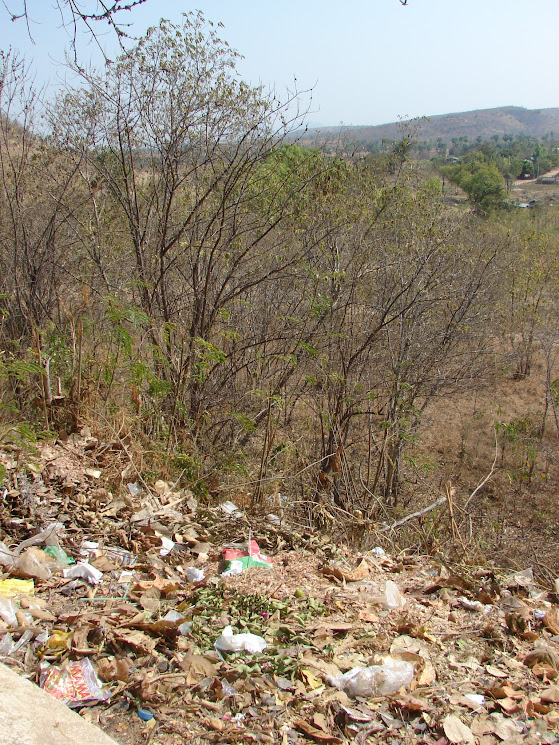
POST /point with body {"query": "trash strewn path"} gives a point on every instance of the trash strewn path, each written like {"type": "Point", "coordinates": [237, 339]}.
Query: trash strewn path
{"type": "Point", "coordinates": [159, 620]}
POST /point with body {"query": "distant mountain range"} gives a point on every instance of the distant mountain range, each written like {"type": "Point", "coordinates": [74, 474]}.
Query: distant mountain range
{"type": "Point", "coordinates": [510, 120]}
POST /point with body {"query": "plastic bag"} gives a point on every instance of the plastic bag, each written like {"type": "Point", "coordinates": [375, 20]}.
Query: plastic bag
{"type": "Point", "coordinates": [7, 559]}
{"type": "Point", "coordinates": [8, 610]}
{"type": "Point", "coordinates": [50, 536]}
{"type": "Point", "coordinates": [239, 560]}
{"type": "Point", "coordinates": [8, 646]}
{"type": "Point", "coordinates": [230, 509]}
{"type": "Point", "coordinates": [75, 684]}
{"type": "Point", "coordinates": [195, 575]}
{"type": "Point", "coordinates": [59, 555]}
{"type": "Point", "coordinates": [230, 642]}
{"type": "Point", "coordinates": [31, 564]}
{"type": "Point", "coordinates": [167, 546]}
{"type": "Point", "coordinates": [394, 598]}
{"type": "Point", "coordinates": [376, 680]}
{"type": "Point", "coordinates": [83, 570]}
{"type": "Point", "coordinates": [134, 489]}
{"type": "Point", "coordinates": [174, 616]}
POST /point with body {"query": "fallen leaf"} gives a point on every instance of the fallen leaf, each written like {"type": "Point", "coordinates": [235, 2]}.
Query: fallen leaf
{"type": "Point", "coordinates": [215, 724]}
{"type": "Point", "coordinates": [326, 668]}
{"type": "Point", "coordinates": [334, 627]}
{"type": "Point", "coordinates": [507, 704]}
{"type": "Point", "coordinates": [550, 695]}
{"type": "Point", "coordinates": [543, 656]}
{"type": "Point", "coordinates": [319, 720]}
{"type": "Point", "coordinates": [427, 676]}
{"type": "Point", "coordinates": [496, 672]}
{"type": "Point", "coordinates": [122, 669]}
{"type": "Point", "coordinates": [149, 600]}
{"type": "Point", "coordinates": [551, 621]}
{"type": "Point", "coordinates": [311, 680]}
{"type": "Point", "coordinates": [406, 643]}
{"type": "Point", "coordinates": [505, 729]}
{"type": "Point", "coordinates": [480, 725]}
{"type": "Point", "coordinates": [41, 615]}
{"type": "Point", "coordinates": [488, 740]}
{"type": "Point", "coordinates": [168, 629]}
{"type": "Point", "coordinates": [137, 639]}
{"type": "Point", "coordinates": [456, 731]}
{"type": "Point", "coordinates": [357, 715]}
{"type": "Point", "coordinates": [198, 666]}
{"type": "Point", "coordinates": [410, 703]}
{"type": "Point", "coordinates": [315, 733]}
{"type": "Point", "coordinates": [536, 707]}
{"type": "Point", "coordinates": [359, 572]}
{"type": "Point", "coordinates": [544, 671]}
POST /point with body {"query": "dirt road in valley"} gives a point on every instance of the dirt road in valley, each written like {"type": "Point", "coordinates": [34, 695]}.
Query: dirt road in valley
{"type": "Point", "coordinates": [553, 172]}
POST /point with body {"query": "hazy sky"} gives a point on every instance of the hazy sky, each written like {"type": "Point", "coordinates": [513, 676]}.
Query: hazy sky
{"type": "Point", "coordinates": [369, 61]}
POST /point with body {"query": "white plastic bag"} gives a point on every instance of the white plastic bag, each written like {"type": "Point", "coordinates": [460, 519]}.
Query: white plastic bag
{"type": "Point", "coordinates": [394, 598]}
{"type": "Point", "coordinates": [167, 546]}
{"type": "Point", "coordinates": [83, 570]}
{"type": "Point", "coordinates": [174, 616]}
{"type": "Point", "coordinates": [8, 611]}
{"type": "Point", "coordinates": [195, 575]}
{"type": "Point", "coordinates": [7, 559]}
{"type": "Point", "coordinates": [376, 680]}
{"type": "Point", "coordinates": [230, 642]}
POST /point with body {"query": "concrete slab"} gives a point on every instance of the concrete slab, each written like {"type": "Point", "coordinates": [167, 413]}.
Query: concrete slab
{"type": "Point", "coordinates": [29, 716]}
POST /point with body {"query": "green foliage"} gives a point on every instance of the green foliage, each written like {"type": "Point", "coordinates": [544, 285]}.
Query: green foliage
{"type": "Point", "coordinates": [207, 355]}
{"type": "Point", "coordinates": [251, 613]}
{"type": "Point", "coordinates": [481, 181]}
{"type": "Point", "coordinates": [245, 421]}
{"type": "Point", "coordinates": [19, 436]}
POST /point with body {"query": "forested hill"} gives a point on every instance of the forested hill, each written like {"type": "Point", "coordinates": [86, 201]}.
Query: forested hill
{"type": "Point", "coordinates": [484, 123]}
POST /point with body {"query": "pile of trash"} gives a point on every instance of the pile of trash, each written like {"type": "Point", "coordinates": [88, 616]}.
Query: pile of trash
{"type": "Point", "coordinates": [156, 617]}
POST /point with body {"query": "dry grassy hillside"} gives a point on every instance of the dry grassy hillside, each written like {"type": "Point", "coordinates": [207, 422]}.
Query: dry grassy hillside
{"type": "Point", "coordinates": [483, 123]}
{"type": "Point", "coordinates": [495, 431]}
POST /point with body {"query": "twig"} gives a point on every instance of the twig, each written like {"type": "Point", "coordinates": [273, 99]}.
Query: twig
{"type": "Point", "coordinates": [413, 515]}
{"type": "Point", "coordinates": [167, 676]}
{"type": "Point", "coordinates": [448, 494]}
{"type": "Point", "coordinates": [132, 463]}
{"type": "Point", "coordinates": [486, 479]}
{"type": "Point", "coordinates": [453, 526]}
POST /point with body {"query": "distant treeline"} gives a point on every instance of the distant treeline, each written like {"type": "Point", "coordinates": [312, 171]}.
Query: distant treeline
{"type": "Point", "coordinates": [516, 156]}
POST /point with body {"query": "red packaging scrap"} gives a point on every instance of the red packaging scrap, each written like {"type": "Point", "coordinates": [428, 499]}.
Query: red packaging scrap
{"type": "Point", "coordinates": [75, 684]}
{"type": "Point", "coordinates": [240, 559]}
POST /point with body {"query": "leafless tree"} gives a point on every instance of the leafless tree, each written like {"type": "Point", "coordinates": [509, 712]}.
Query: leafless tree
{"type": "Point", "coordinates": [76, 15]}
{"type": "Point", "coordinates": [180, 145]}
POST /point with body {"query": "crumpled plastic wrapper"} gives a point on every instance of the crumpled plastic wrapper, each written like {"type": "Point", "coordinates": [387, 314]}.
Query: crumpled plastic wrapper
{"type": "Point", "coordinates": [76, 684]}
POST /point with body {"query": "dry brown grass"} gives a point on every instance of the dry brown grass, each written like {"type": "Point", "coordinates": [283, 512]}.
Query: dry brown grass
{"type": "Point", "coordinates": [513, 520]}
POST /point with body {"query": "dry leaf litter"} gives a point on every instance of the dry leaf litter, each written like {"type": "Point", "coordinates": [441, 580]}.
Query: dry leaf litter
{"type": "Point", "coordinates": [122, 606]}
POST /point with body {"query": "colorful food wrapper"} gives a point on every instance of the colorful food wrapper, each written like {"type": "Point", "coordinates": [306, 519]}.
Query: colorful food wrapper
{"type": "Point", "coordinates": [237, 560]}
{"type": "Point", "coordinates": [75, 684]}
